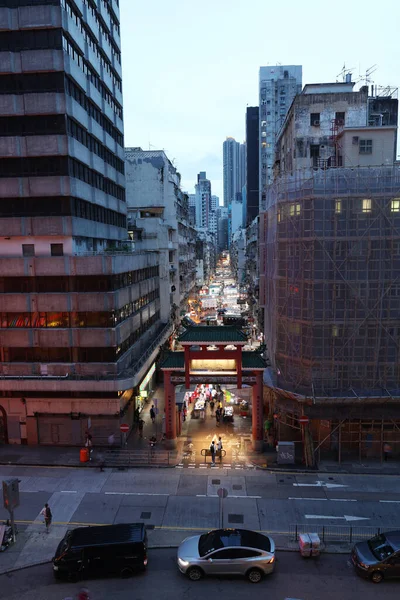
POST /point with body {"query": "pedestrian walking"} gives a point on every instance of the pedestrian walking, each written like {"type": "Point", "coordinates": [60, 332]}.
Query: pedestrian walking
{"type": "Point", "coordinates": [212, 404]}
{"type": "Point", "coordinates": [212, 450]}
{"type": "Point", "coordinates": [111, 441]}
{"type": "Point", "coordinates": [219, 448]}
{"type": "Point", "coordinates": [184, 412]}
{"type": "Point", "coordinates": [387, 450]}
{"type": "Point", "coordinates": [136, 415]}
{"type": "Point", "coordinates": [152, 414]}
{"type": "Point", "coordinates": [217, 416]}
{"type": "Point", "coordinates": [46, 512]}
{"type": "Point", "coordinates": [140, 427]}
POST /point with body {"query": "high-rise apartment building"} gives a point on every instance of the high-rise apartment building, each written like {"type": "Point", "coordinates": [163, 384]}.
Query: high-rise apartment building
{"type": "Point", "coordinates": [252, 163]}
{"type": "Point", "coordinates": [74, 303]}
{"type": "Point", "coordinates": [277, 87]}
{"type": "Point", "coordinates": [158, 213]}
{"type": "Point", "coordinates": [231, 170]}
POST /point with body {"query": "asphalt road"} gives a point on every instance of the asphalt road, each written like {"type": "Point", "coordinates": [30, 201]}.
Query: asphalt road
{"type": "Point", "coordinates": [329, 577]}
{"type": "Point", "coordinates": [172, 498]}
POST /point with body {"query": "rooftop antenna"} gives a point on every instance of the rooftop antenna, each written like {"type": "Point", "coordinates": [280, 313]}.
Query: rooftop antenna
{"type": "Point", "coordinates": [367, 78]}
{"type": "Point", "coordinates": [345, 74]}
{"type": "Point", "coordinates": [151, 146]}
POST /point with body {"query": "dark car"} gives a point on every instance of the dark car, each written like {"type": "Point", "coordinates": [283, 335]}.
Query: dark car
{"type": "Point", "coordinates": [379, 557]}
{"type": "Point", "coordinates": [101, 550]}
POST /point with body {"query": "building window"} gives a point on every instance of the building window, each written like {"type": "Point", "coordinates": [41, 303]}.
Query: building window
{"type": "Point", "coordinates": [294, 209]}
{"type": "Point", "coordinates": [335, 331]}
{"type": "Point", "coordinates": [366, 205]}
{"type": "Point", "coordinates": [57, 249]}
{"type": "Point", "coordinates": [314, 119]}
{"type": "Point", "coordinates": [395, 205]}
{"type": "Point", "coordinates": [338, 206]}
{"type": "Point", "coordinates": [28, 249]}
{"type": "Point", "coordinates": [340, 118]}
{"type": "Point", "coordinates": [365, 147]}
{"type": "Point", "coordinates": [279, 215]}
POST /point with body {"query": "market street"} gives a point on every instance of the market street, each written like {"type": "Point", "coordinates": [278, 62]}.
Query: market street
{"type": "Point", "coordinates": [330, 577]}
{"type": "Point", "coordinates": [178, 502]}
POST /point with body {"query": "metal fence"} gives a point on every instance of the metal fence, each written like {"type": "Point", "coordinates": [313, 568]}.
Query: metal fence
{"type": "Point", "coordinates": [337, 533]}
{"type": "Point", "coordinates": [125, 458]}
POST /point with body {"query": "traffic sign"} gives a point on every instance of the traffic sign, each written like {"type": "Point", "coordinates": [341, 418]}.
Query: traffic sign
{"type": "Point", "coordinates": [303, 420]}
{"type": "Point", "coordinates": [124, 427]}
{"type": "Point", "coordinates": [222, 492]}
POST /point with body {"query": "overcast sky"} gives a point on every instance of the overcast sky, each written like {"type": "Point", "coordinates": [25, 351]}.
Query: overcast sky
{"type": "Point", "coordinates": [190, 67]}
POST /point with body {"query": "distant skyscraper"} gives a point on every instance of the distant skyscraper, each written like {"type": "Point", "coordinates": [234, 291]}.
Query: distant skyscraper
{"type": "Point", "coordinates": [205, 203]}
{"type": "Point", "coordinates": [251, 201]}
{"type": "Point", "coordinates": [231, 153]}
{"type": "Point", "coordinates": [277, 88]}
{"type": "Point", "coordinates": [242, 166]}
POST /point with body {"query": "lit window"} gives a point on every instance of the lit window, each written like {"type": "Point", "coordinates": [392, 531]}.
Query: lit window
{"type": "Point", "coordinates": [338, 207]}
{"type": "Point", "coordinates": [395, 205]}
{"type": "Point", "coordinates": [335, 331]}
{"type": "Point", "coordinates": [366, 205]}
{"type": "Point", "coordinates": [264, 144]}
{"type": "Point", "coordinates": [294, 209]}
{"type": "Point", "coordinates": [279, 215]}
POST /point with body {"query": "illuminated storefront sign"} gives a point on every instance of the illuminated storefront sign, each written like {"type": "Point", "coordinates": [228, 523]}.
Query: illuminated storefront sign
{"type": "Point", "coordinates": [147, 378]}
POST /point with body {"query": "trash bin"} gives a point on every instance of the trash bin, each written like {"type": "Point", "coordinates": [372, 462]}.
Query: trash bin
{"type": "Point", "coordinates": [84, 455]}
{"type": "Point", "coordinates": [309, 544]}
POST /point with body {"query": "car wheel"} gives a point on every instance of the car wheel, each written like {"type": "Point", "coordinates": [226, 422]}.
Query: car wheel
{"type": "Point", "coordinates": [126, 572]}
{"type": "Point", "coordinates": [195, 574]}
{"type": "Point", "coordinates": [377, 576]}
{"type": "Point", "coordinates": [254, 575]}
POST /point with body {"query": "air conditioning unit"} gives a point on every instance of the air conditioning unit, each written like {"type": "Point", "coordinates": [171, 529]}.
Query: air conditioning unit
{"type": "Point", "coordinates": [315, 124]}
{"type": "Point", "coordinates": [355, 140]}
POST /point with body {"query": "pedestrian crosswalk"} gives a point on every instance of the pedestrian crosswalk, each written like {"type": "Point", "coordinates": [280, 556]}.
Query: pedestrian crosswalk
{"type": "Point", "coordinates": [202, 466]}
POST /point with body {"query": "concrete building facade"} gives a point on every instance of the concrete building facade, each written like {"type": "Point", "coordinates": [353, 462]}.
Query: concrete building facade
{"type": "Point", "coordinates": [158, 221]}
{"type": "Point", "coordinates": [75, 305]}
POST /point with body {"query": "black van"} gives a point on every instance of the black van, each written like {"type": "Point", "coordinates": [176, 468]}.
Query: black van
{"type": "Point", "coordinates": [102, 550]}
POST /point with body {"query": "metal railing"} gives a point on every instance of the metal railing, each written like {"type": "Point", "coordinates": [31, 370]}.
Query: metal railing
{"type": "Point", "coordinates": [337, 533]}
{"type": "Point", "coordinates": [125, 458]}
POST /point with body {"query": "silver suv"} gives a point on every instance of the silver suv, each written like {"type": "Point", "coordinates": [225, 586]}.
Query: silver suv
{"type": "Point", "coordinates": [227, 552]}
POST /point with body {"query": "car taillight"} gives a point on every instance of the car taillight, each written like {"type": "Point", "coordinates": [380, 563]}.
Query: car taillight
{"type": "Point", "coordinates": [145, 562]}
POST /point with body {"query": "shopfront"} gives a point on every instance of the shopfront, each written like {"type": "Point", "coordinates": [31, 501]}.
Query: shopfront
{"type": "Point", "coordinates": [145, 388]}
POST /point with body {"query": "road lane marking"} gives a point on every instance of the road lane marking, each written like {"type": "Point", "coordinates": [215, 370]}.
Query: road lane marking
{"type": "Point", "coordinates": [324, 499]}
{"type": "Point", "coordinates": [329, 486]}
{"type": "Point", "coordinates": [343, 500]}
{"type": "Point", "coordinates": [345, 517]}
{"type": "Point", "coordinates": [68, 491]}
{"type": "Point", "coordinates": [316, 499]}
{"type": "Point", "coordinates": [133, 494]}
{"type": "Point", "coordinates": [390, 501]}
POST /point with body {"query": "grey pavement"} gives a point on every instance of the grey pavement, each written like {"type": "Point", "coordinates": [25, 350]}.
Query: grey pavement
{"type": "Point", "coordinates": [330, 577]}
{"type": "Point", "coordinates": [174, 503]}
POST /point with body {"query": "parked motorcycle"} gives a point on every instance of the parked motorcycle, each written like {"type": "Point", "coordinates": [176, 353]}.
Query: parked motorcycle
{"type": "Point", "coordinates": [6, 536]}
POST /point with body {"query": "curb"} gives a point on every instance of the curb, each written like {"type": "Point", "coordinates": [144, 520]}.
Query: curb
{"type": "Point", "coordinates": [293, 471]}
{"type": "Point", "coordinates": [163, 547]}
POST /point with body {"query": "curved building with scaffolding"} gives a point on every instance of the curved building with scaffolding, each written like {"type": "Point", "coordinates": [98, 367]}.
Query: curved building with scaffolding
{"type": "Point", "coordinates": [330, 274]}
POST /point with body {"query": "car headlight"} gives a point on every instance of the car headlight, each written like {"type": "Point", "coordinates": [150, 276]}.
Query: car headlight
{"type": "Point", "coordinates": [183, 563]}
{"type": "Point", "coordinates": [271, 560]}
{"type": "Point", "coordinates": [363, 565]}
